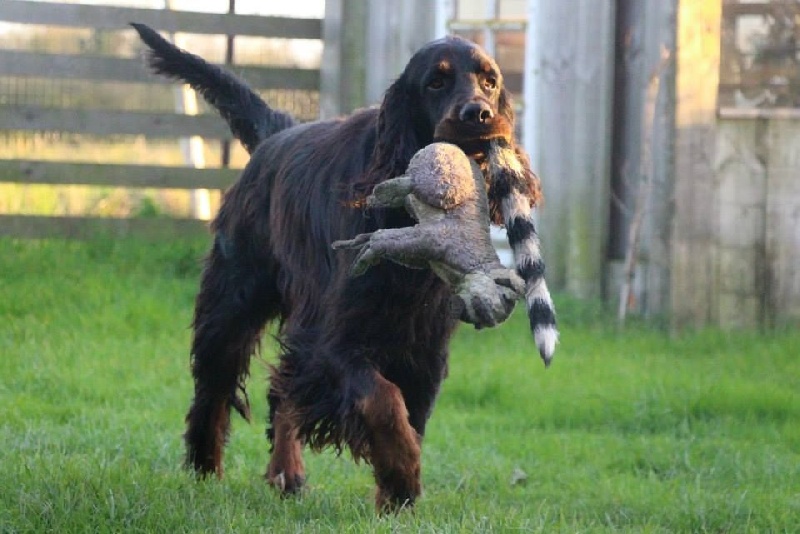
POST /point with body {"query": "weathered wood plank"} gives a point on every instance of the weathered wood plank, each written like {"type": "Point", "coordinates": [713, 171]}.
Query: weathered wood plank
{"type": "Point", "coordinates": [140, 176]}
{"type": "Point", "coordinates": [40, 227]}
{"type": "Point", "coordinates": [109, 68]}
{"type": "Point", "coordinates": [493, 24]}
{"type": "Point", "coordinates": [411, 26]}
{"type": "Point", "coordinates": [741, 180]}
{"type": "Point", "coordinates": [343, 76]}
{"type": "Point", "coordinates": [694, 246]}
{"type": "Point", "coordinates": [105, 122]}
{"type": "Point", "coordinates": [783, 222]}
{"type": "Point", "coordinates": [760, 8]}
{"type": "Point", "coordinates": [573, 85]}
{"type": "Point", "coordinates": [759, 113]}
{"type": "Point", "coordinates": [117, 18]}
{"type": "Point", "coordinates": [642, 151]}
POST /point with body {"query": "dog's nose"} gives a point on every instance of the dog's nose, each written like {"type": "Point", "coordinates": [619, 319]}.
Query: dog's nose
{"type": "Point", "coordinates": [478, 112]}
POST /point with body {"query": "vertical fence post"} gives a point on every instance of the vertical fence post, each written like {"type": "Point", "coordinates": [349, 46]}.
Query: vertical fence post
{"type": "Point", "coordinates": [342, 74]}
{"type": "Point", "coordinates": [367, 44]}
{"type": "Point", "coordinates": [192, 147]}
{"type": "Point", "coordinates": [444, 12]}
{"type": "Point", "coordinates": [225, 156]}
{"type": "Point", "coordinates": [694, 241]}
{"type": "Point", "coordinates": [645, 33]}
{"type": "Point", "coordinates": [395, 30]}
{"type": "Point", "coordinates": [572, 63]}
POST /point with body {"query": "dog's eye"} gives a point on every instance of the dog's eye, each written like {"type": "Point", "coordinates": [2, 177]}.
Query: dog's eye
{"type": "Point", "coordinates": [436, 83]}
{"type": "Point", "coordinates": [490, 82]}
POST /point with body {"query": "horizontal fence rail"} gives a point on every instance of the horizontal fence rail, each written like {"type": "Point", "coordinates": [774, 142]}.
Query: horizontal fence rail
{"type": "Point", "coordinates": [104, 174]}
{"type": "Point", "coordinates": [38, 227]}
{"type": "Point", "coordinates": [103, 122]}
{"type": "Point", "coordinates": [35, 70]}
{"type": "Point", "coordinates": [117, 69]}
{"type": "Point", "coordinates": [114, 18]}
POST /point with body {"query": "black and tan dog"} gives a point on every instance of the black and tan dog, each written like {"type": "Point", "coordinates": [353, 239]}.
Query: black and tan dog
{"type": "Point", "coordinates": [363, 358]}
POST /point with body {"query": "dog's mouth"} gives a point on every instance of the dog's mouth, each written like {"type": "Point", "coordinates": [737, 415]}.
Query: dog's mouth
{"type": "Point", "coordinates": [472, 137]}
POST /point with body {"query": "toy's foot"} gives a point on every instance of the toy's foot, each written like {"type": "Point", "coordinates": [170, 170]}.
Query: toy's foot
{"type": "Point", "coordinates": [489, 298]}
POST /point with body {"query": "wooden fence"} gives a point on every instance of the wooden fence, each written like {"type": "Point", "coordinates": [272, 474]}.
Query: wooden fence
{"type": "Point", "coordinates": [735, 242]}
{"type": "Point", "coordinates": [21, 64]}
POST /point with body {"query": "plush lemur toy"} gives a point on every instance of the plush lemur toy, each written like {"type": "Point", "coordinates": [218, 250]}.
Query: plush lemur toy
{"type": "Point", "coordinates": [445, 192]}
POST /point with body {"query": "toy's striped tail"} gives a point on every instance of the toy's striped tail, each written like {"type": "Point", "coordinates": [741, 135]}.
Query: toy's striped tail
{"type": "Point", "coordinates": [508, 176]}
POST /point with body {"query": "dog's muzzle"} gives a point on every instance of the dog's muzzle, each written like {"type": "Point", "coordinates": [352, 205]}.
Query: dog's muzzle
{"type": "Point", "coordinates": [471, 126]}
{"type": "Point", "coordinates": [476, 112]}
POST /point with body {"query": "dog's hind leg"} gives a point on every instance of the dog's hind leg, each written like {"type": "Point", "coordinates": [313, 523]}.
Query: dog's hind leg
{"type": "Point", "coordinates": [236, 299]}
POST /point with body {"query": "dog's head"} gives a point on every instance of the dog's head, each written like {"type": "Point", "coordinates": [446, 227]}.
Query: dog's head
{"type": "Point", "coordinates": [461, 91]}
{"type": "Point", "coordinates": [451, 90]}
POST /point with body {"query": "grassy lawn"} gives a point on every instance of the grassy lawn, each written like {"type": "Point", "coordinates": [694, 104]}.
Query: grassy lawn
{"type": "Point", "coordinates": [631, 431]}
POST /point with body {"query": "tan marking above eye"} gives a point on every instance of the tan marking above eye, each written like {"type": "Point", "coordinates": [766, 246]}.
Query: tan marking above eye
{"type": "Point", "coordinates": [443, 70]}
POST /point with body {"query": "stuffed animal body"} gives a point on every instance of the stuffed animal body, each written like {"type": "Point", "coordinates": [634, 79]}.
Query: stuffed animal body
{"type": "Point", "coordinates": [444, 191]}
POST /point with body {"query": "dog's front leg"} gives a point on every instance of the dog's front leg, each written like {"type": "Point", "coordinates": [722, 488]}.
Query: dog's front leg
{"type": "Point", "coordinates": [394, 446]}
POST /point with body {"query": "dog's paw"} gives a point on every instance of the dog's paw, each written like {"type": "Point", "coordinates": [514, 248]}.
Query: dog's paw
{"type": "Point", "coordinates": [287, 485]}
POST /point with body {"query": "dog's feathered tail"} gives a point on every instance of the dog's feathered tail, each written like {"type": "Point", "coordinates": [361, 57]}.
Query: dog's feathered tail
{"type": "Point", "coordinates": [250, 119]}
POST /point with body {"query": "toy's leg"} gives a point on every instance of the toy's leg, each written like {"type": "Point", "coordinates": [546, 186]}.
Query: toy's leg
{"type": "Point", "coordinates": [391, 193]}
{"type": "Point", "coordinates": [407, 246]}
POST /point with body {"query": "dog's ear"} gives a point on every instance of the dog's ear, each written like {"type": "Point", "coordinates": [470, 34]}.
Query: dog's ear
{"type": "Point", "coordinates": [512, 177]}
{"type": "Point", "coordinates": [526, 182]}
{"type": "Point", "coordinates": [397, 140]}
{"type": "Point", "coordinates": [530, 185]}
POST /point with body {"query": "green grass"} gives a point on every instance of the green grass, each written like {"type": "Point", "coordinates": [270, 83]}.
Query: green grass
{"type": "Point", "coordinates": [632, 431]}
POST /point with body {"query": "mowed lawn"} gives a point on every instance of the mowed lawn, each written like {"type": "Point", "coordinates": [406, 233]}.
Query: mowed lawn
{"type": "Point", "coordinates": [632, 431]}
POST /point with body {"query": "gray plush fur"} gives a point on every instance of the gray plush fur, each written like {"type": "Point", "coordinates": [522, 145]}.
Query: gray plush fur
{"type": "Point", "coordinates": [445, 192]}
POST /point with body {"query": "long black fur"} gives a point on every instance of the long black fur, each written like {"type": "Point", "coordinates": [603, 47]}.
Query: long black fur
{"type": "Point", "coordinates": [272, 259]}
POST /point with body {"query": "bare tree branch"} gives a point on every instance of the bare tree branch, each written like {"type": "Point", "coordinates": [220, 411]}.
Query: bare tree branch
{"type": "Point", "coordinates": [645, 186]}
